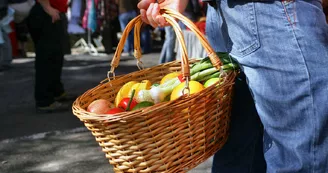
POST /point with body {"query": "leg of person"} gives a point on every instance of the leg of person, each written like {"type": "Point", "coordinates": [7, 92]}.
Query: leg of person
{"type": "Point", "coordinates": [170, 38]}
{"type": "Point", "coordinates": [21, 35]}
{"type": "Point", "coordinates": [282, 47]}
{"type": "Point", "coordinates": [125, 18]}
{"type": "Point", "coordinates": [59, 29]}
{"type": "Point", "coordinates": [2, 54]}
{"type": "Point", "coordinates": [58, 88]}
{"type": "Point", "coordinates": [146, 39]}
{"type": "Point", "coordinates": [243, 152]}
{"type": "Point", "coordinates": [6, 55]}
{"type": "Point", "coordinates": [131, 15]}
{"type": "Point", "coordinates": [36, 21]}
{"type": "Point", "coordinates": [65, 37]}
{"type": "Point", "coordinates": [107, 35]}
{"type": "Point", "coordinates": [162, 57]}
{"type": "Point", "coordinates": [116, 29]}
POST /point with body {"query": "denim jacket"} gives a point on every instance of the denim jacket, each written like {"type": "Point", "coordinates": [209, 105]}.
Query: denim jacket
{"type": "Point", "coordinates": [5, 24]}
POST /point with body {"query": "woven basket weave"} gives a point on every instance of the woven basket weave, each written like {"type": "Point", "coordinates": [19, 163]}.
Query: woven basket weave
{"type": "Point", "coordinates": [173, 136]}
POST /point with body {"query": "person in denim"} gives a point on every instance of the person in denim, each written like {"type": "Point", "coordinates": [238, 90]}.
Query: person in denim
{"type": "Point", "coordinates": [127, 11]}
{"type": "Point", "coordinates": [282, 47]}
{"type": "Point", "coordinates": [243, 152]}
{"type": "Point", "coordinates": [167, 53]}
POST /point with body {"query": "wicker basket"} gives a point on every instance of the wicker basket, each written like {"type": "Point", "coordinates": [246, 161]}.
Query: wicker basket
{"type": "Point", "coordinates": [173, 136]}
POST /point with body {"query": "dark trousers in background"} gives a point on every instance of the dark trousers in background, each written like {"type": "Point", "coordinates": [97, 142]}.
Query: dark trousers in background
{"type": "Point", "coordinates": [51, 43]}
{"type": "Point", "coordinates": [109, 34]}
{"type": "Point", "coordinates": [243, 152]}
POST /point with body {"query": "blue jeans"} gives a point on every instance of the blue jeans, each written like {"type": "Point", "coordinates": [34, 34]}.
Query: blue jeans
{"type": "Point", "coordinates": [243, 152]}
{"type": "Point", "coordinates": [214, 31]}
{"type": "Point", "coordinates": [124, 19]}
{"type": "Point", "coordinates": [282, 46]}
{"type": "Point", "coordinates": [146, 41]}
{"type": "Point", "coordinates": [167, 53]}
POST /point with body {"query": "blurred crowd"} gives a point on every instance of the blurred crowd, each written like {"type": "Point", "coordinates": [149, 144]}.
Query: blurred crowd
{"type": "Point", "coordinates": [103, 20]}
{"type": "Point", "coordinates": [48, 26]}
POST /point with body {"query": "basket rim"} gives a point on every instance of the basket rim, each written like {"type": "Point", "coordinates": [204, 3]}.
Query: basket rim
{"type": "Point", "coordinates": [84, 115]}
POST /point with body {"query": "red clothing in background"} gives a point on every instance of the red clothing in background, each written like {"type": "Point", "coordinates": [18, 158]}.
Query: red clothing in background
{"type": "Point", "coordinates": [60, 5]}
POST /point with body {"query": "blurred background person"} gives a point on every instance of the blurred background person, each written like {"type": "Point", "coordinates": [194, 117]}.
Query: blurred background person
{"type": "Point", "coordinates": [47, 25]}
{"type": "Point", "coordinates": [22, 9]}
{"type": "Point", "coordinates": [111, 26]}
{"type": "Point", "coordinates": [6, 16]}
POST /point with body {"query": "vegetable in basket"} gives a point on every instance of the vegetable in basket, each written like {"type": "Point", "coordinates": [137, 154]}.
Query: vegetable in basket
{"type": "Point", "coordinates": [159, 93]}
{"type": "Point", "coordinates": [115, 111]}
{"type": "Point", "coordinates": [200, 71]}
{"type": "Point", "coordinates": [169, 76]}
{"type": "Point", "coordinates": [212, 81]}
{"type": "Point", "coordinates": [124, 92]}
{"type": "Point", "coordinates": [194, 87]}
{"type": "Point", "coordinates": [142, 105]}
{"type": "Point", "coordinates": [144, 95]}
{"type": "Point", "coordinates": [143, 85]}
{"type": "Point", "coordinates": [128, 103]}
{"type": "Point", "coordinates": [203, 70]}
{"type": "Point", "coordinates": [100, 106]}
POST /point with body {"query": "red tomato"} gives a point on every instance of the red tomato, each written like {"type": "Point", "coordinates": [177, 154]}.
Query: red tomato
{"type": "Point", "coordinates": [114, 111]}
{"type": "Point", "coordinates": [124, 103]}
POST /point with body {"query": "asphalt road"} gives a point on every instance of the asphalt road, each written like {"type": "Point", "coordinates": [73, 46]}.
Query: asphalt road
{"type": "Point", "coordinates": [31, 142]}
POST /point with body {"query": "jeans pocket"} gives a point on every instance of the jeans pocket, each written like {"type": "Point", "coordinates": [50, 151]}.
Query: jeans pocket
{"type": "Point", "coordinates": [242, 26]}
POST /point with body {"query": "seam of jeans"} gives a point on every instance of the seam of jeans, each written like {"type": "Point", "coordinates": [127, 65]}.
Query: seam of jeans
{"type": "Point", "coordinates": [285, 3]}
{"type": "Point", "coordinates": [314, 138]}
{"type": "Point", "coordinates": [256, 44]}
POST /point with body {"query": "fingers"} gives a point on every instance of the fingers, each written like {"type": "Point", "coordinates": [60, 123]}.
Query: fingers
{"type": "Point", "coordinates": [155, 14]}
{"type": "Point", "coordinates": [55, 17]}
{"type": "Point", "coordinates": [161, 21]}
{"type": "Point", "coordinates": [144, 16]}
{"type": "Point", "coordinates": [144, 4]}
{"type": "Point", "coordinates": [151, 14]}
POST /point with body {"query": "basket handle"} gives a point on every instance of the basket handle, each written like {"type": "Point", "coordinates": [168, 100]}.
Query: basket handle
{"type": "Point", "coordinates": [170, 16]}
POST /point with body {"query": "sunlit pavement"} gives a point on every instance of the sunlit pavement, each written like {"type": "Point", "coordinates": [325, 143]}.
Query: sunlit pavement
{"type": "Point", "coordinates": [58, 143]}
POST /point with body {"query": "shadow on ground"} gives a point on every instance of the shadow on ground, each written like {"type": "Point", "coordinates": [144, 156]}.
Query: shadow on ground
{"type": "Point", "coordinates": [70, 153]}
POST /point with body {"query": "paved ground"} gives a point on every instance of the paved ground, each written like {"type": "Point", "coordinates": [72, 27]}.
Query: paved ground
{"type": "Point", "coordinates": [58, 142]}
